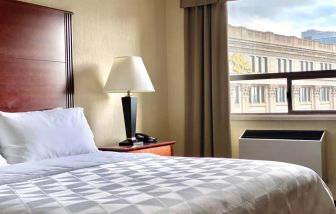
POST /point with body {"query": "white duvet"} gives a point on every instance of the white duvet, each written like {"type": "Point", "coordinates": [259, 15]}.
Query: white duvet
{"type": "Point", "coordinates": [108, 182]}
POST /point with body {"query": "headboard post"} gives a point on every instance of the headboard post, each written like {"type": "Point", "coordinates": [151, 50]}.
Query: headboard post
{"type": "Point", "coordinates": [68, 60]}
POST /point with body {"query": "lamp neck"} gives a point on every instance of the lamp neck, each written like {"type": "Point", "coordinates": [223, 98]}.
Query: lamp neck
{"type": "Point", "coordinates": [128, 93]}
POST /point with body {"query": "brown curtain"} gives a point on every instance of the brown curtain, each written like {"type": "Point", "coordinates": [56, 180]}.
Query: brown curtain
{"type": "Point", "coordinates": [207, 81]}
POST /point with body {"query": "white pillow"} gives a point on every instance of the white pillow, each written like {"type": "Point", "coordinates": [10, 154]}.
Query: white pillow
{"type": "Point", "coordinates": [37, 135]}
{"type": "Point", "coordinates": [2, 161]}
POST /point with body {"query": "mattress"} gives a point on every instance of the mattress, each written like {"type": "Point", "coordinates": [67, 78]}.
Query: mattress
{"type": "Point", "coordinates": [110, 182]}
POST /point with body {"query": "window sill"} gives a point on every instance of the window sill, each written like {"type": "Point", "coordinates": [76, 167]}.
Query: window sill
{"type": "Point", "coordinates": [271, 117]}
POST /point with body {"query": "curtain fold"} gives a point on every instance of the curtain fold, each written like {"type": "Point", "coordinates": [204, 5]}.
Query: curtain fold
{"type": "Point", "coordinates": [207, 81]}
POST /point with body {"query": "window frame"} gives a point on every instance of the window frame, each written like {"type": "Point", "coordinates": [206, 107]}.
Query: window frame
{"type": "Point", "coordinates": [289, 76]}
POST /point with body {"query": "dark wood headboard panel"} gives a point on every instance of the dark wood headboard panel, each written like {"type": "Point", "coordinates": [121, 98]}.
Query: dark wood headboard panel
{"type": "Point", "coordinates": [35, 57]}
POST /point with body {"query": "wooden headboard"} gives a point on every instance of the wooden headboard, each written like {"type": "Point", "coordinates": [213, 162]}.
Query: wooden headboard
{"type": "Point", "coordinates": [35, 57]}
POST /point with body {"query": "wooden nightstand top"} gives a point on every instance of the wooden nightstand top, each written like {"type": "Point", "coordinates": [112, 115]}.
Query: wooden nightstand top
{"type": "Point", "coordinates": [116, 148]}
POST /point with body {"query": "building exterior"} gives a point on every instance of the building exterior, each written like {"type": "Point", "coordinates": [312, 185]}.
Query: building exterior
{"type": "Point", "coordinates": [326, 37]}
{"type": "Point", "coordinates": [253, 51]}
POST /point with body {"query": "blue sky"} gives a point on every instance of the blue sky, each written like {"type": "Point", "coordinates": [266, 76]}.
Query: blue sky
{"type": "Point", "coordinates": [286, 17]}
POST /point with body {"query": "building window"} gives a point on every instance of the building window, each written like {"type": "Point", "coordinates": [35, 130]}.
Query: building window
{"type": "Point", "coordinates": [325, 66]}
{"type": "Point", "coordinates": [304, 95]}
{"type": "Point", "coordinates": [259, 64]}
{"type": "Point", "coordinates": [307, 66]}
{"type": "Point", "coordinates": [311, 68]}
{"type": "Point", "coordinates": [237, 94]}
{"type": "Point", "coordinates": [257, 94]}
{"type": "Point", "coordinates": [330, 67]}
{"type": "Point", "coordinates": [281, 94]}
{"type": "Point", "coordinates": [253, 64]}
{"type": "Point", "coordinates": [265, 66]}
{"type": "Point", "coordinates": [324, 94]}
{"type": "Point", "coordinates": [283, 66]}
{"type": "Point", "coordinates": [279, 65]}
{"type": "Point", "coordinates": [290, 63]}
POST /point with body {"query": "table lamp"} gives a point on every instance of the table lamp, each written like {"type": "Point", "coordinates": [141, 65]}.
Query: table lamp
{"type": "Point", "coordinates": [128, 74]}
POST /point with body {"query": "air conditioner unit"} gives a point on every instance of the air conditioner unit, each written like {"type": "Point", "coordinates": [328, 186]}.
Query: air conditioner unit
{"type": "Point", "coordinates": [304, 148]}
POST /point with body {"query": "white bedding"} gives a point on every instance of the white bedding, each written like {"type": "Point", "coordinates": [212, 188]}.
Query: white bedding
{"type": "Point", "coordinates": [108, 182]}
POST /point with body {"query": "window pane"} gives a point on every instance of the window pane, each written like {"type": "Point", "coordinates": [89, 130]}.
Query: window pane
{"type": "Point", "coordinates": [314, 94]}
{"type": "Point", "coordinates": [259, 96]}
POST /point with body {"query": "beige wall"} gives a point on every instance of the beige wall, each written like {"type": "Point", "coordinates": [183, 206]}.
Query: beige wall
{"type": "Point", "coordinates": [107, 28]}
{"type": "Point", "coordinates": [175, 72]}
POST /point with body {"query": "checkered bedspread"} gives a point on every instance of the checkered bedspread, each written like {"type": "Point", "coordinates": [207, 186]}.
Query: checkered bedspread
{"type": "Point", "coordinates": [171, 185]}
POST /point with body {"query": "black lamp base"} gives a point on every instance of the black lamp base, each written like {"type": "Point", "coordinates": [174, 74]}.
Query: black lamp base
{"type": "Point", "coordinates": [130, 112]}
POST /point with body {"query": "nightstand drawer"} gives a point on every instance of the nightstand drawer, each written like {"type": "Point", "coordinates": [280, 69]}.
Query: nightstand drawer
{"type": "Point", "coordinates": [162, 150]}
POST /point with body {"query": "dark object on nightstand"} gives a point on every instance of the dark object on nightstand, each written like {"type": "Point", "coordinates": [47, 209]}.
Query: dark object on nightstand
{"type": "Point", "coordinates": [145, 138]}
{"type": "Point", "coordinates": [164, 148]}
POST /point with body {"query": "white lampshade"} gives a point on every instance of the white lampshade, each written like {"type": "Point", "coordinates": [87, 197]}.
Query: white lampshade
{"type": "Point", "coordinates": [128, 73]}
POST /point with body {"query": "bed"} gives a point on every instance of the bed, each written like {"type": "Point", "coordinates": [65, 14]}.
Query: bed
{"type": "Point", "coordinates": [36, 74]}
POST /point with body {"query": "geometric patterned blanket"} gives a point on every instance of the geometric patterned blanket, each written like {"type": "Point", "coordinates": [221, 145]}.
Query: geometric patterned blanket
{"type": "Point", "coordinates": [172, 185]}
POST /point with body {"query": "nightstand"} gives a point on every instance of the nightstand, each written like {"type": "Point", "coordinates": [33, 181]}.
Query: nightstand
{"type": "Point", "coordinates": [163, 148]}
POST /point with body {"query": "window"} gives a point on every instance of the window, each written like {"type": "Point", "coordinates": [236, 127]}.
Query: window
{"type": "Point", "coordinates": [283, 66]}
{"type": "Point", "coordinates": [284, 63]}
{"type": "Point", "coordinates": [279, 65]}
{"type": "Point", "coordinates": [259, 64]}
{"type": "Point", "coordinates": [324, 66]}
{"type": "Point", "coordinates": [265, 66]}
{"type": "Point", "coordinates": [237, 94]}
{"type": "Point", "coordinates": [289, 68]}
{"type": "Point", "coordinates": [281, 94]}
{"type": "Point", "coordinates": [257, 94]}
{"type": "Point", "coordinates": [307, 66]}
{"type": "Point", "coordinates": [290, 62]}
{"type": "Point", "coordinates": [324, 94]}
{"type": "Point", "coordinates": [304, 94]}
{"type": "Point", "coordinates": [253, 64]}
